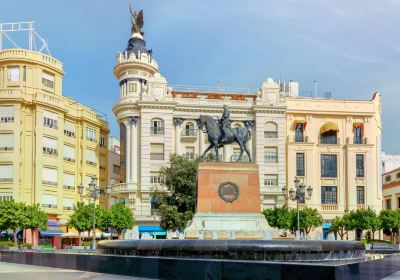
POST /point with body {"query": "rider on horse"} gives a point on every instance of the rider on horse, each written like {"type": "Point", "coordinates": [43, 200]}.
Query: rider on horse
{"type": "Point", "coordinates": [225, 124]}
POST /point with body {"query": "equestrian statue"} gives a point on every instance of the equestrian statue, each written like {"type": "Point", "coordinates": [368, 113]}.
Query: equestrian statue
{"type": "Point", "coordinates": [220, 133]}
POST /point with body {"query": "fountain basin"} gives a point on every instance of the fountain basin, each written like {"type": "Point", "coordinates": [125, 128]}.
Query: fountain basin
{"type": "Point", "coordinates": [254, 250]}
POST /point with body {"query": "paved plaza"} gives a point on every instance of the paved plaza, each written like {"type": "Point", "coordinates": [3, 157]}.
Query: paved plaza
{"type": "Point", "coordinates": [14, 271]}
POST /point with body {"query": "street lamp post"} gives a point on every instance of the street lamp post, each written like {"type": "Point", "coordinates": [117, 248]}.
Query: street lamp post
{"type": "Point", "coordinates": [298, 194]}
{"type": "Point", "coordinates": [94, 192]}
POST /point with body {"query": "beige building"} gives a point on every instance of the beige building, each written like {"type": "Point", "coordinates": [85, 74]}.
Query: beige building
{"type": "Point", "coordinates": [334, 147]}
{"type": "Point", "coordinates": [391, 189]}
{"type": "Point", "coordinates": [48, 143]}
{"type": "Point", "coordinates": [331, 145]}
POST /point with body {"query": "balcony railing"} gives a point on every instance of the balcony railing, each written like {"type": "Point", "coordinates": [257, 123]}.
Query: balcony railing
{"type": "Point", "coordinates": [6, 119]}
{"type": "Point", "coordinates": [357, 140]}
{"type": "Point", "coordinates": [270, 134]}
{"type": "Point", "coordinates": [69, 159]}
{"type": "Point", "coordinates": [154, 130]}
{"type": "Point", "coordinates": [123, 187]}
{"type": "Point", "coordinates": [156, 180]}
{"type": "Point", "coordinates": [6, 148]}
{"type": "Point", "coordinates": [189, 132]}
{"type": "Point", "coordinates": [157, 156]}
{"type": "Point", "coordinates": [69, 133]}
{"type": "Point", "coordinates": [329, 140]}
{"type": "Point", "coordinates": [69, 187]}
{"type": "Point", "coordinates": [49, 206]}
{"type": "Point", "coordinates": [50, 151]}
{"type": "Point", "coordinates": [271, 159]}
{"type": "Point", "coordinates": [91, 162]}
{"type": "Point", "coordinates": [51, 183]}
{"type": "Point", "coordinates": [2, 180]}
{"type": "Point", "coordinates": [329, 207]}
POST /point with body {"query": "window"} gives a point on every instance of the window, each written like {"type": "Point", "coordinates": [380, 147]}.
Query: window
{"type": "Point", "coordinates": [48, 80]}
{"type": "Point", "coordinates": [271, 154]}
{"type": "Point", "coordinates": [132, 87]}
{"type": "Point", "coordinates": [13, 73]}
{"type": "Point", "coordinates": [6, 173]}
{"type": "Point", "coordinates": [69, 129]}
{"type": "Point", "coordinates": [49, 201]}
{"type": "Point", "coordinates": [157, 151]}
{"type": "Point", "coordinates": [271, 180]}
{"type": "Point", "coordinates": [398, 175]}
{"type": "Point", "coordinates": [329, 166]}
{"type": "Point", "coordinates": [69, 153]}
{"type": "Point", "coordinates": [49, 176]}
{"type": "Point", "coordinates": [24, 74]}
{"type": "Point", "coordinates": [189, 152]}
{"type": "Point", "coordinates": [388, 178]}
{"type": "Point", "coordinates": [271, 130]}
{"type": "Point", "coordinates": [398, 202]}
{"type": "Point", "coordinates": [299, 132]}
{"type": "Point", "coordinates": [189, 130]}
{"type": "Point", "coordinates": [50, 120]}
{"type": "Point", "coordinates": [6, 114]}
{"type": "Point", "coordinates": [153, 205]}
{"type": "Point", "coordinates": [90, 156]}
{"type": "Point", "coordinates": [102, 141]}
{"type": "Point", "coordinates": [69, 181]}
{"type": "Point", "coordinates": [329, 137]}
{"type": "Point", "coordinates": [157, 127]}
{"type": "Point", "coordinates": [357, 134]}
{"type": "Point", "coordinates": [116, 169]}
{"type": "Point", "coordinates": [91, 134]}
{"type": "Point", "coordinates": [6, 142]}
{"type": "Point", "coordinates": [388, 203]}
{"type": "Point", "coordinates": [359, 165]}
{"type": "Point", "coordinates": [50, 146]}
{"type": "Point", "coordinates": [5, 197]}
{"type": "Point", "coordinates": [68, 203]}
{"type": "Point", "coordinates": [300, 171]}
{"type": "Point", "coordinates": [328, 195]}
{"type": "Point", "coordinates": [360, 195]}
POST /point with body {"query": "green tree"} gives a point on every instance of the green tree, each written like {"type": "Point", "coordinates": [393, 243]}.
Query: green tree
{"type": "Point", "coordinates": [82, 218]}
{"type": "Point", "coordinates": [103, 218]}
{"type": "Point", "coordinates": [283, 218]}
{"type": "Point", "coordinates": [390, 220]}
{"type": "Point", "coordinates": [365, 219]}
{"type": "Point", "coordinates": [12, 216]}
{"type": "Point", "coordinates": [35, 218]}
{"type": "Point", "coordinates": [309, 218]}
{"type": "Point", "coordinates": [121, 218]}
{"type": "Point", "coordinates": [177, 206]}
{"type": "Point", "coordinates": [341, 225]}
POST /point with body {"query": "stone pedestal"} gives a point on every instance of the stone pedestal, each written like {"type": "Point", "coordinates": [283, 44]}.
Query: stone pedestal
{"type": "Point", "coordinates": [228, 203]}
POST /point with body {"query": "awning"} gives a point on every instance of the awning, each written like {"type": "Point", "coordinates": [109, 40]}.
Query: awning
{"type": "Point", "coordinates": [329, 126]}
{"type": "Point", "coordinates": [51, 232]}
{"type": "Point", "coordinates": [152, 230]}
{"type": "Point", "coordinates": [297, 122]}
{"type": "Point", "coordinates": [326, 226]}
{"type": "Point", "coordinates": [359, 125]}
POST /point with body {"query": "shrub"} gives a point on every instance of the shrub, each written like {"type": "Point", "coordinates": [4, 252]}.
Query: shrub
{"type": "Point", "coordinates": [6, 243]}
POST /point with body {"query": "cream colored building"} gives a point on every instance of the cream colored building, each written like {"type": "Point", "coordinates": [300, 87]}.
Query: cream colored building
{"type": "Point", "coordinates": [48, 143]}
{"type": "Point", "coordinates": [157, 120]}
{"type": "Point", "coordinates": [334, 147]}
{"type": "Point", "coordinates": [391, 189]}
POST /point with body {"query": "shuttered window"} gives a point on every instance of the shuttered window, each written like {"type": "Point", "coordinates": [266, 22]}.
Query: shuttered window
{"type": "Point", "coordinates": [68, 203]}
{"type": "Point", "coordinates": [91, 134]}
{"type": "Point", "coordinates": [48, 79]}
{"type": "Point", "coordinates": [156, 151]}
{"type": "Point", "coordinates": [271, 154]}
{"type": "Point", "coordinates": [69, 128]}
{"type": "Point", "coordinates": [69, 180]}
{"type": "Point", "coordinates": [49, 176]}
{"type": "Point", "coordinates": [271, 180]}
{"type": "Point", "coordinates": [49, 201]}
{"type": "Point", "coordinates": [6, 173]}
{"type": "Point", "coordinates": [69, 153]}
{"type": "Point", "coordinates": [6, 141]}
{"type": "Point", "coordinates": [91, 157]}
{"type": "Point", "coordinates": [13, 73]}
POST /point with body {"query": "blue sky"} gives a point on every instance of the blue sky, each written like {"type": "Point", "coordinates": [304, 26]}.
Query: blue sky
{"type": "Point", "coordinates": [352, 48]}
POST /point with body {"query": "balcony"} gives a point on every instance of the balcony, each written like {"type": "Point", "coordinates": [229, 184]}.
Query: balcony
{"type": "Point", "coordinates": [157, 156]}
{"type": "Point", "coordinates": [154, 130]}
{"type": "Point", "coordinates": [270, 134]}
{"type": "Point", "coordinates": [49, 206]}
{"type": "Point", "coordinates": [329, 207]}
{"type": "Point", "coordinates": [124, 188]}
{"type": "Point", "coordinates": [189, 134]}
{"type": "Point", "coordinates": [7, 120]}
{"type": "Point", "coordinates": [357, 140]}
{"type": "Point", "coordinates": [156, 180]}
{"type": "Point", "coordinates": [6, 148]}
{"type": "Point", "coordinates": [69, 133]}
{"type": "Point", "coordinates": [69, 159]}
{"type": "Point", "coordinates": [51, 183]}
{"type": "Point", "coordinates": [68, 187]}
{"type": "Point", "coordinates": [329, 140]}
{"type": "Point", "coordinates": [6, 180]}
{"type": "Point", "coordinates": [50, 151]}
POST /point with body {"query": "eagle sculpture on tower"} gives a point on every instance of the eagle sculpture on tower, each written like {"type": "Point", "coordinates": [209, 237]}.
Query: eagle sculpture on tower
{"type": "Point", "coordinates": [137, 21]}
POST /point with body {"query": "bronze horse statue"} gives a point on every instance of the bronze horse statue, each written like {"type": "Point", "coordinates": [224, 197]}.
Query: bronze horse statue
{"type": "Point", "coordinates": [240, 135]}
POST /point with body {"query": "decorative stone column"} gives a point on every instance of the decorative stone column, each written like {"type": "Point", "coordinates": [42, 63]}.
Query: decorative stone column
{"type": "Point", "coordinates": [133, 150]}
{"type": "Point", "coordinates": [225, 151]}
{"type": "Point", "coordinates": [177, 123]}
{"type": "Point", "coordinates": [128, 151]}
{"type": "Point", "coordinates": [201, 139]}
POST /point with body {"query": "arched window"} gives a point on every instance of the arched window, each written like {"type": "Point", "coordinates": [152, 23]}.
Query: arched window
{"type": "Point", "coordinates": [189, 129]}
{"type": "Point", "coordinates": [328, 133]}
{"type": "Point", "coordinates": [157, 126]}
{"type": "Point", "coordinates": [271, 130]}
